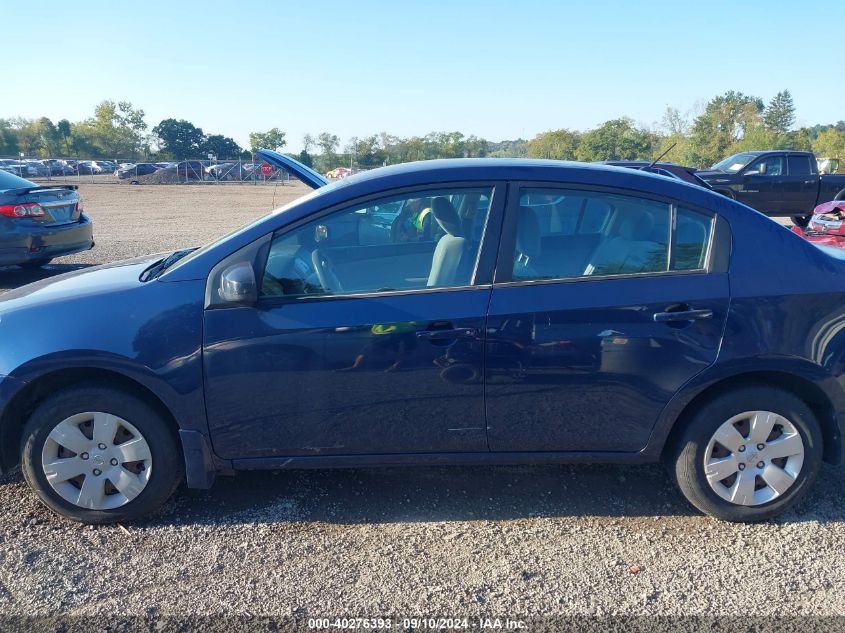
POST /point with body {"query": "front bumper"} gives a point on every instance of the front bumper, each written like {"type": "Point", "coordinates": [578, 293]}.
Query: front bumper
{"type": "Point", "coordinates": [28, 244]}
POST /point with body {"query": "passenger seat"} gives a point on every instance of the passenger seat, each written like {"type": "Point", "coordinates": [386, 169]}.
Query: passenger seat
{"type": "Point", "coordinates": [450, 247]}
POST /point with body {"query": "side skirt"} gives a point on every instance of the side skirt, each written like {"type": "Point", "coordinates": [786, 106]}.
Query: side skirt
{"type": "Point", "coordinates": [440, 459]}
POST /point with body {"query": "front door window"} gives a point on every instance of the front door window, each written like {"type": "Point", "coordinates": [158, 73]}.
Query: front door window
{"type": "Point", "coordinates": [413, 241]}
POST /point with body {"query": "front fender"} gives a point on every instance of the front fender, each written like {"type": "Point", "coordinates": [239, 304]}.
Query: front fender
{"type": "Point", "coordinates": [177, 383]}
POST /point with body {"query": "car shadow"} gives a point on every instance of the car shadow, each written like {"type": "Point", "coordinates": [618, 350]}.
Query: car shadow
{"type": "Point", "coordinates": [12, 277]}
{"type": "Point", "coordinates": [478, 493]}
{"type": "Point", "coordinates": [443, 494]}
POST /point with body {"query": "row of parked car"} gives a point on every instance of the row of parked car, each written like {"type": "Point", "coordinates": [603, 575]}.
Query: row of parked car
{"type": "Point", "coordinates": [48, 167]}
{"type": "Point", "coordinates": [188, 169]}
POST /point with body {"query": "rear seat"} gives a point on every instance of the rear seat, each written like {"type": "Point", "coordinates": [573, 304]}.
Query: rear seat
{"type": "Point", "coordinates": [565, 255]}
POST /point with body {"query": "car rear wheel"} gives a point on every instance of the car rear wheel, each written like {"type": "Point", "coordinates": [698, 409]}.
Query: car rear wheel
{"type": "Point", "coordinates": [99, 455]}
{"type": "Point", "coordinates": [749, 454]}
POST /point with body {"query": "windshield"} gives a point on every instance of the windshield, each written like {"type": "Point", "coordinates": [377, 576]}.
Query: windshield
{"type": "Point", "coordinates": [733, 164]}
{"type": "Point", "coordinates": [200, 251]}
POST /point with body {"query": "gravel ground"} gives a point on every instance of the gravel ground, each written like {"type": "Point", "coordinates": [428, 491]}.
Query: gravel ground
{"type": "Point", "coordinates": [486, 541]}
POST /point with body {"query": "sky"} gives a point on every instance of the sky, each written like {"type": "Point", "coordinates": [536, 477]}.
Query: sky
{"type": "Point", "coordinates": [496, 69]}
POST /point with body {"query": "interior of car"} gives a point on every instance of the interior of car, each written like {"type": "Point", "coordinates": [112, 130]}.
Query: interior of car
{"type": "Point", "coordinates": [575, 234]}
{"type": "Point", "coordinates": [396, 244]}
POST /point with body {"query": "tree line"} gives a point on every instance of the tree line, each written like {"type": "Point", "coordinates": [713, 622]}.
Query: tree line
{"type": "Point", "coordinates": [726, 124]}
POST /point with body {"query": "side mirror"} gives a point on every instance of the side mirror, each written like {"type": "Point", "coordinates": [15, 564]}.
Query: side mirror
{"type": "Point", "coordinates": [238, 285]}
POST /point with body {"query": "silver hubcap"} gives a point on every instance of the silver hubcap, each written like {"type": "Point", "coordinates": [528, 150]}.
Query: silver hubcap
{"type": "Point", "coordinates": [753, 458]}
{"type": "Point", "coordinates": [96, 460]}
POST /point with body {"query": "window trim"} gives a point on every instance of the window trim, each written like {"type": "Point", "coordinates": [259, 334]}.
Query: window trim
{"type": "Point", "coordinates": [489, 241]}
{"type": "Point", "coordinates": [504, 272]}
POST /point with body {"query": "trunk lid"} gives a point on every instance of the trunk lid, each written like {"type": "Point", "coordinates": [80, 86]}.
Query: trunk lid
{"type": "Point", "coordinates": [303, 172]}
{"type": "Point", "coordinates": [60, 204]}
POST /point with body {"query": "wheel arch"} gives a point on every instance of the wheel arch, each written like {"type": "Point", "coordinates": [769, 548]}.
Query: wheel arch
{"type": "Point", "coordinates": [24, 402]}
{"type": "Point", "coordinates": [801, 387]}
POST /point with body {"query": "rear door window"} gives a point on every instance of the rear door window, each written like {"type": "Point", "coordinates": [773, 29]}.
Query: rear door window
{"type": "Point", "coordinates": [564, 234]}
{"type": "Point", "coordinates": [798, 165]}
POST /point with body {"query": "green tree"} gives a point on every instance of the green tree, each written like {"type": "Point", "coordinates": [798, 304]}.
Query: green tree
{"type": "Point", "coordinates": [557, 144]}
{"type": "Point", "coordinates": [366, 151]}
{"type": "Point", "coordinates": [508, 149]}
{"type": "Point", "coordinates": [305, 158]}
{"type": "Point", "coordinates": [757, 137]}
{"type": "Point", "coordinates": [8, 139]}
{"type": "Point", "coordinates": [328, 144]}
{"type": "Point", "coordinates": [221, 146]}
{"type": "Point", "coordinates": [63, 129]}
{"type": "Point", "coordinates": [779, 116]}
{"type": "Point", "coordinates": [179, 139]}
{"type": "Point", "coordinates": [48, 137]}
{"type": "Point", "coordinates": [618, 139]}
{"type": "Point", "coordinates": [273, 139]}
{"type": "Point", "coordinates": [118, 129]}
{"type": "Point", "coordinates": [830, 144]}
{"type": "Point", "coordinates": [28, 138]}
{"type": "Point", "coordinates": [722, 124]}
{"type": "Point", "coordinates": [800, 139]}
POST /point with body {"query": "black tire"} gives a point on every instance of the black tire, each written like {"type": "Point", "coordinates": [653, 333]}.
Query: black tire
{"type": "Point", "coordinates": [36, 263]}
{"type": "Point", "coordinates": [165, 475]}
{"type": "Point", "coordinates": [687, 460]}
{"type": "Point", "coordinates": [840, 195]}
{"type": "Point", "coordinates": [801, 220]}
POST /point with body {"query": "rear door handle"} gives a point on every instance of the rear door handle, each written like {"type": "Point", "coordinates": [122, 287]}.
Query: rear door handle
{"type": "Point", "coordinates": [439, 335]}
{"type": "Point", "coordinates": [682, 315]}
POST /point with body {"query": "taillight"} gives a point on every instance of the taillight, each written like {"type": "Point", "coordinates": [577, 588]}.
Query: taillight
{"type": "Point", "coordinates": [24, 210]}
{"type": "Point", "coordinates": [79, 205]}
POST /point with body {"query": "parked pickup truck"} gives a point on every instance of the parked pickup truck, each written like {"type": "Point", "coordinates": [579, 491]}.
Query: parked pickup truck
{"type": "Point", "coordinates": [776, 182]}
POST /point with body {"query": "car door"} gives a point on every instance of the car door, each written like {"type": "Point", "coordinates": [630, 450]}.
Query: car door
{"type": "Point", "coordinates": [604, 305]}
{"type": "Point", "coordinates": [800, 185]}
{"type": "Point", "coordinates": [367, 336]}
{"type": "Point", "coordinates": [762, 184]}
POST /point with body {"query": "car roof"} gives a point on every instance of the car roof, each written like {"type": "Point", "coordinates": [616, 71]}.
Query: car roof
{"type": "Point", "coordinates": [760, 152]}
{"type": "Point", "coordinates": [492, 168]}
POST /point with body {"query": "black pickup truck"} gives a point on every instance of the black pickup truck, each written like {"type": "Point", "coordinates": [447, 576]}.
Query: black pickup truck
{"type": "Point", "coordinates": [776, 182]}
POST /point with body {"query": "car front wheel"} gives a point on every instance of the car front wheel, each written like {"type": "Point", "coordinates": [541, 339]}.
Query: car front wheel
{"type": "Point", "coordinates": [749, 454]}
{"type": "Point", "coordinates": [99, 455]}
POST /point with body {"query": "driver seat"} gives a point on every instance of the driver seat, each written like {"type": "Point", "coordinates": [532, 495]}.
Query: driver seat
{"type": "Point", "coordinates": [450, 247]}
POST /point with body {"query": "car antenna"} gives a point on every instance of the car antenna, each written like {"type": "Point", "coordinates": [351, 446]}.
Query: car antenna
{"type": "Point", "coordinates": [656, 160]}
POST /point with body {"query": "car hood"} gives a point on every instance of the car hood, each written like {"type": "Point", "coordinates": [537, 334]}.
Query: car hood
{"type": "Point", "coordinates": [712, 173]}
{"type": "Point", "coordinates": [77, 284]}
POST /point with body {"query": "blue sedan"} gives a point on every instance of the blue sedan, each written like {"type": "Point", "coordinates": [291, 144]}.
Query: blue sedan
{"type": "Point", "coordinates": [38, 223]}
{"type": "Point", "coordinates": [443, 312]}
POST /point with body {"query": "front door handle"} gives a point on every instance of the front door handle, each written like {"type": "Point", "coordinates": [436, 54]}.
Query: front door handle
{"type": "Point", "coordinates": [682, 315]}
{"type": "Point", "coordinates": [453, 333]}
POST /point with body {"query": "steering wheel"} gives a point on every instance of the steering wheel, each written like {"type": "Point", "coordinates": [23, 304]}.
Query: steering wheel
{"type": "Point", "coordinates": [328, 279]}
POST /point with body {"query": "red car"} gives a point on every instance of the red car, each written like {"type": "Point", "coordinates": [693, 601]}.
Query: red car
{"type": "Point", "coordinates": [827, 225]}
